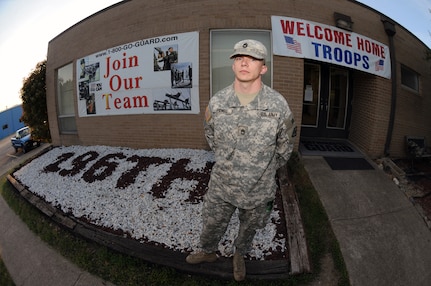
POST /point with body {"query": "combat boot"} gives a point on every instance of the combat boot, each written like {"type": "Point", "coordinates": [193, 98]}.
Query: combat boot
{"type": "Point", "coordinates": [238, 267]}
{"type": "Point", "coordinates": [200, 257]}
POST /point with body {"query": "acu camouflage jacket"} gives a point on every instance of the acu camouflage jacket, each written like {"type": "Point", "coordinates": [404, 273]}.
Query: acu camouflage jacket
{"type": "Point", "coordinates": [250, 143]}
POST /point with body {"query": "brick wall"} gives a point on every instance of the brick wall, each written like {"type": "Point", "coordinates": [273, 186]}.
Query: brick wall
{"type": "Point", "coordinates": [132, 20]}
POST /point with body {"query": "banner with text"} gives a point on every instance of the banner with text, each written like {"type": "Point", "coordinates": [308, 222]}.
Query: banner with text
{"type": "Point", "coordinates": [147, 76]}
{"type": "Point", "coordinates": [305, 39]}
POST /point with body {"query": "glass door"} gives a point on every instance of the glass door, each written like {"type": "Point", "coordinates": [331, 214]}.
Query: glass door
{"type": "Point", "coordinates": [326, 102]}
{"type": "Point", "coordinates": [337, 102]}
{"type": "Point", "coordinates": [311, 100]}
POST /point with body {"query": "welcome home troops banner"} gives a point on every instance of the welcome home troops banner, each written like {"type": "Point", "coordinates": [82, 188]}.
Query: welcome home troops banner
{"type": "Point", "coordinates": [299, 38]}
{"type": "Point", "coordinates": [156, 75]}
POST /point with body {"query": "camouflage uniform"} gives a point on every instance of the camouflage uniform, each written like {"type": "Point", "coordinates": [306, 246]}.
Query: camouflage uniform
{"type": "Point", "coordinates": [250, 143]}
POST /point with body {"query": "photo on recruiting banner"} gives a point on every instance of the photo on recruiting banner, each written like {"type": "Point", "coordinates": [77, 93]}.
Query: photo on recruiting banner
{"type": "Point", "coordinates": [300, 38]}
{"type": "Point", "coordinates": [149, 76]}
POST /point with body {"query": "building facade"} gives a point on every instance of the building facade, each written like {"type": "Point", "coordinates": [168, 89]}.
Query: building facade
{"type": "Point", "coordinates": [140, 73]}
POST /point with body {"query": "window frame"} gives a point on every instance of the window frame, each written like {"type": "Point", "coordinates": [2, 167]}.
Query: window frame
{"type": "Point", "coordinates": [416, 77]}
{"type": "Point", "coordinates": [62, 116]}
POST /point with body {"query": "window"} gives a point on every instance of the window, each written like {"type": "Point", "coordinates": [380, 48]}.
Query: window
{"type": "Point", "coordinates": [66, 106]}
{"type": "Point", "coordinates": [222, 42]}
{"type": "Point", "coordinates": [409, 78]}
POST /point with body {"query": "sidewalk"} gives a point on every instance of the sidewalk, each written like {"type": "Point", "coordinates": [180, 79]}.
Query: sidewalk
{"type": "Point", "coordinates": [29, 260]}
{"type": "Point", "coordinates": [383, 238]}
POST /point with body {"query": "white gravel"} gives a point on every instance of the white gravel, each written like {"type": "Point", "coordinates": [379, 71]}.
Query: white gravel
{"type": "Point", "coordinates": [171, 221]}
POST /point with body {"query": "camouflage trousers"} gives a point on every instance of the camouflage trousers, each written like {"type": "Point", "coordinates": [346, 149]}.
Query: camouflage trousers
{"type": "Point", "coordinates": [216, 215]}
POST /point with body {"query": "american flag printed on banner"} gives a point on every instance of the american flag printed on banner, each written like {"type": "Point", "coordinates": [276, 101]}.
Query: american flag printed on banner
{"type": "Point", "coordinates": [293, 44]}
{"type": "Point", "coordinates": [380, 65]}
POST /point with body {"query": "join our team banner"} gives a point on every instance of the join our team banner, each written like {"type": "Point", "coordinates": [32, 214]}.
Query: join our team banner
{"type": "Point", "coordinates": [299, 38]}
{"type": "Point", "coordinates": [148, 76]}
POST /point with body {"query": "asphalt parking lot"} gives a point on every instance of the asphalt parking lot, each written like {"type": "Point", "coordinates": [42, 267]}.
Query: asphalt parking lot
{"type": "Point", "coordinates": [9, 158]}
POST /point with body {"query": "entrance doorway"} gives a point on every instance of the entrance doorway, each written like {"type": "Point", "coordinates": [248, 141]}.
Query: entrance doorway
{"type": "Point", "coordinates": [326, 101]}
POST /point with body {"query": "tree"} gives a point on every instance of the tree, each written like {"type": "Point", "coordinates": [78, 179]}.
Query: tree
{"type": "Point", "coordinates": [33, 96]}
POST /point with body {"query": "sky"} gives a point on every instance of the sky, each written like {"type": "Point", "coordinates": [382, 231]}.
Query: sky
{"type": "Point", "coordinates": [27, 26]}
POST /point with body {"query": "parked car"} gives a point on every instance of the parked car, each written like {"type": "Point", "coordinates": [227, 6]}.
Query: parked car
{"type": "Point", "coordinates": [23, 140]}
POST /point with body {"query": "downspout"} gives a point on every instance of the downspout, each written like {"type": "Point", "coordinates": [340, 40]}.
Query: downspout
{"type": "Point", "coordinates": [390, 31]}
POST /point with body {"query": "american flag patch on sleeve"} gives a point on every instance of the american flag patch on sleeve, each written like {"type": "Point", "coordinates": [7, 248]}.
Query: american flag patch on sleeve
{"type": "Point", "coordinates": [208, 114]}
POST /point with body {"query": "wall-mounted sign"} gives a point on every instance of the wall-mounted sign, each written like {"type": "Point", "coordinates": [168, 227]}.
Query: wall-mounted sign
{"type": "Point", "coordinates": [299, 38]}
{"type": "Point", "coordinates": [148, 76]}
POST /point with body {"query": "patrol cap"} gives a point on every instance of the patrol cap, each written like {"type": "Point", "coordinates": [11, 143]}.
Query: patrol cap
{"type": "Point", "coordinates": [250, 48]}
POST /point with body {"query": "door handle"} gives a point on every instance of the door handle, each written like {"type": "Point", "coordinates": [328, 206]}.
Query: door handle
{"type": "Point", "coordinates": [324, 105]}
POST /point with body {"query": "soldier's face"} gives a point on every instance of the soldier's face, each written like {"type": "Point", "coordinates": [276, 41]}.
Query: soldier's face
{"type": "Point", "coordinates": [247, 68]}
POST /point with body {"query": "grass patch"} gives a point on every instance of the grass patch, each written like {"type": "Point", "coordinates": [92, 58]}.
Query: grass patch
{"type": "Point", "coordinates": [5, 278]}
{"type": "Point", "coordinates": [320, 237]}
{"type": "Point", "coordinates": [122, 269]}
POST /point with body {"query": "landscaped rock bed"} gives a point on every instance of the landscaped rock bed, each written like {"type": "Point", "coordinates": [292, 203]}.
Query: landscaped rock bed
{"type": "Point", "coordinates": [151, 196]}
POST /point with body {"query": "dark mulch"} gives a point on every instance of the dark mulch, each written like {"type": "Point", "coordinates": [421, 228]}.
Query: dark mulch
{"type": "Point", "coordinates": [418, 173]}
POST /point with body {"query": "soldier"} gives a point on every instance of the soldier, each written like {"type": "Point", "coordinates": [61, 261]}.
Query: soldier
{"type": "Point", "coordinates": [250, 128]}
